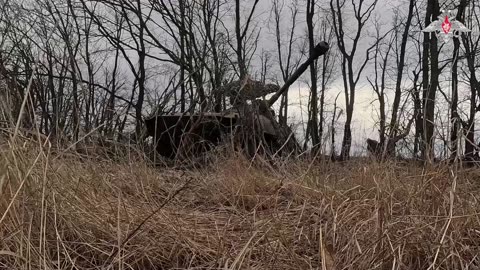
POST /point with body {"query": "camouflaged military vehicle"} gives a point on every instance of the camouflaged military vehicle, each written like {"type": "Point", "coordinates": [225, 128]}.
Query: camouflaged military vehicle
{"type": "Point", "coordinates": [250, 124]}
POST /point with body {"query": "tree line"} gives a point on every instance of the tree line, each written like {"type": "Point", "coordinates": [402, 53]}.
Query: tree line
{"type": "Point", "coordinates": [101, 66]}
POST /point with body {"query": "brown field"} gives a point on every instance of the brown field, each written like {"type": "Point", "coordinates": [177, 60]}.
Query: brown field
{"type": "Point", "coordinates": [60, 210]}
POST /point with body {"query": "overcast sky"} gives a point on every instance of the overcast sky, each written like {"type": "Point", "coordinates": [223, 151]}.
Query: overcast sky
{"type": "Point", "coordinates": [365, 115]}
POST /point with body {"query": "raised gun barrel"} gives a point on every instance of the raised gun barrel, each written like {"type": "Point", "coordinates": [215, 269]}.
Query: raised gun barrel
{"type": "Point", "coordinates": [318, 51]}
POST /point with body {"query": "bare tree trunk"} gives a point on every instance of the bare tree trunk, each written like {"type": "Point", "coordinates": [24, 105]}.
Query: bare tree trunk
{"type": "Point", "coordinates": [470, 145]}
{"type": "Point", "coordinates": [417, 110]}
{"type": "Point", "coordinates": [313, 120]}
{"type": "Point", "coordinates": [211, 17]}
{"type": "Point", "coordinates": [454, 116]}
{"type": "Point", "coordinates": [110, 107]}
{"type": "Point", "coordinates": [333, 155]}
{"type": "Point", "coordinates": [90, 94]}
{"type": "Point", "coordinates": [471, 47]}
{"type": "Point", "coordinates": [400, 68]}
{"type": "Point", "coordinates": [239, 50]}
{"type": "Point", "coordinates": [379, 85]}
{"type": "Point", "coordinates": [64, 26]}
{"type": "Point", "coordinates": [142, 73]}
{"type": "Point", "coordinates": [182, 34]}
{"type": "Point", "coordinates": [328, 65]}
{"type": "Point", "coordinates": [433, 11]}
{"type": "Point", "coordinates": [53, 97]}
{"type": "Point", "coordinates": [241, 35]}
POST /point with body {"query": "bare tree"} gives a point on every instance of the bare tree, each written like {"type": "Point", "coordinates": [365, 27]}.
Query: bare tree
{"type": "Point", "coordinates": [241, 32]}
{"type": "Point", "coordinates": [394, 127]}
{"type": "Point", "coordinates": [211, 21]}
{"type": "Point", "coordinates": [104, 64]}
{"type": "Point", "coordinates": [362, 13]}
{"type": "Point", "coordinates": [430, 83]}
{"type": "Point", "coordinates": [286, 63]}
{"type": "Point", "coordinates": [471, 43]}
{"type": "Point", "coordinates": [312, 126]}
{"type": "Point", "coordinates": [379, 83]}
{"type": "Point", "coordinates": [454, 115]}
{"type": "Point", "coordinates": [327, 72]}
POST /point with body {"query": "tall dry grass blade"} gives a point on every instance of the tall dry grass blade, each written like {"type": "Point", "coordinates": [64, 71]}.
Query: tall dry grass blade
{"type": "Point", "coordinates": [24, 102]}
{"type": "Point", "coordinates": [72, 145]}
{"type": "Point", "coordinates": [20, 187]}
{"type": "Point", "coordinates": [449, 220]}
{"type": "Point", "coordinates": [145, 220]}
{"type": "Point", "coordinates": [241, 255]}
{"type": "Point", "coordinates": [328, 262]}
{"type": "Point", "coordinates": [119, 230]}
{"type": "Point", "coordinates": [319, 221]}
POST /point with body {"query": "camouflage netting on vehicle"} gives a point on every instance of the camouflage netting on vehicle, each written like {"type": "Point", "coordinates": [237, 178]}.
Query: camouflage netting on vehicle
{"type": "Point", "coordinates": [247, 89]}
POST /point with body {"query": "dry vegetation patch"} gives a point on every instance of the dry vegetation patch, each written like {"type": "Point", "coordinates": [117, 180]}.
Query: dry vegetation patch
{"type": "Point", "coordinates": [74, 213]}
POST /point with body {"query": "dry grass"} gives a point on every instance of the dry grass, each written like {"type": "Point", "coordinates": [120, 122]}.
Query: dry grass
{"type": "Point", "coordinates": [66, 212]}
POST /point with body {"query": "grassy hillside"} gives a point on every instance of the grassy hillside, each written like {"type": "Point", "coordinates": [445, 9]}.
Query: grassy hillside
{"type": "Point", "coordinates": [59, 210]}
